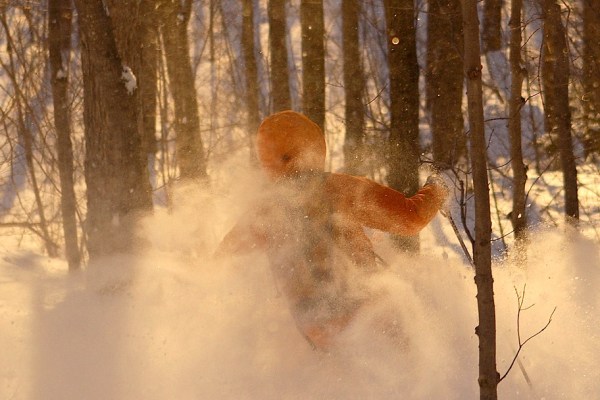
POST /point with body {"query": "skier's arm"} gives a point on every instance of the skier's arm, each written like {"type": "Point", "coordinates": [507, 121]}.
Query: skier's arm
{"type": "Point", "coordinates": [380, 207]}
{"type": "Point", "coordinates": [243, 238]}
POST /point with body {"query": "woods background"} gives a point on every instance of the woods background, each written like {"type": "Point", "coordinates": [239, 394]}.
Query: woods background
{"type": "Point", "coordinates": [107, 106]}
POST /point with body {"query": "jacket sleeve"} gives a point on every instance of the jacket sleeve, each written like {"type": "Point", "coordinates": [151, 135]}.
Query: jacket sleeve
{"type": "Point", "coordinates": [243, 238]}
{"type": "Point", "coordinates": [380, 207]}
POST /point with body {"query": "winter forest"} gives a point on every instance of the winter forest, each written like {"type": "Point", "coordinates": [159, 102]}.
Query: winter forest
{"type": "Point", "coordinates": [128, 151]}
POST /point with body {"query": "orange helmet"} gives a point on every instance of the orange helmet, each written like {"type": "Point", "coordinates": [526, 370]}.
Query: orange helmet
{"type": "Point", "coordinates": [288, 143]}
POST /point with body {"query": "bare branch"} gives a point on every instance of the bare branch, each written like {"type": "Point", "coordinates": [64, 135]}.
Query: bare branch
{"type": "Point", "coordinates": [520, 301]}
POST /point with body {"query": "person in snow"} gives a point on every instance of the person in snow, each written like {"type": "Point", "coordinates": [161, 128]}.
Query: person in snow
{"type": "Point", "coordinates": [310, 224]}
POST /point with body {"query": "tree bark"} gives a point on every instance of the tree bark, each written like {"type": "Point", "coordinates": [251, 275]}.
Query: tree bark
{"type": "Point", "coordinates": [60, 15]}
{"type": "Point", "coordinates": [118, 189]}
{"type": "Point", "coordinates": [353, 87]}
{"type": "Point", "coordinates": [555, 83]}
{"type": "Point", "coordinates": [445, 81]}
{"type": "Point", "coordinates": [404, 103]}
{"type": "Point", "coordinates": [486, 330]}
{"type": "Point", "coordinates": [492, 25]}
{"type": "Point", "coordinates": [519, 214]}
{"type": "Point", "coordinates": [591, 76]}
{"type": "Point", "coordinates": [313, 61]}
{"type": "Point", "coordinates": [190, 151]}
{"type": "Point", "coordinates": [280, 84]}
{"type": "Point", "coordinates": [135, 26]}
{"type": "Point", "coordinates": [251, 71]}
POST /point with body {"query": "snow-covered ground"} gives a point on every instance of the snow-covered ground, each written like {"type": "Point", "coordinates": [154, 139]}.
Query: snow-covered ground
{"type": "Point", "coordinates": [174, 323]}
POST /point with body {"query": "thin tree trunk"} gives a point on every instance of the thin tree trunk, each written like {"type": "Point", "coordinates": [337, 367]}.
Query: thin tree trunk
{"type": "Point", "coordinates": [555, 78]}
{"type": "Point", "coordinates": [115, 169]}
{"type": "Point", "coordinates": [445, 81]}
{"type": "Point", "coordinates": [492, 25]}
{"type": "Point", "coordinates": [486, 330]}
{"type": "Point", "coordinates": [353, 87]}
{"type": "Point", "coordinates": [190, 151]}
{"type": "Point", "coordinates": [403, 173]}
{"type": "Point", "coordinates": [60, 13]}
{"type": "Point", "coordinates": [591, 76]}
{"type": "Point", "coordinates": [280, 80]}
{"type": "Point", "coordinates": [313, 61]}
{"type": "Point", "coordinates": [519, 215]}
{"type": "Point", "coordinates": [251, 71]}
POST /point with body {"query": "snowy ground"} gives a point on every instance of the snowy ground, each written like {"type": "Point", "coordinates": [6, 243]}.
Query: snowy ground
{"type": "Point", "coordinates": [174, 323]}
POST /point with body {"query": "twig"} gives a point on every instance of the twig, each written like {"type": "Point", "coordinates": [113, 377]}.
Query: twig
{"type": "Point", "coordinates": [520, 300]}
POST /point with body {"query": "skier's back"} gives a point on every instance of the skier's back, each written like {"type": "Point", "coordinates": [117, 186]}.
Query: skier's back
{"type": "Point", "coordinates": [311, 225]}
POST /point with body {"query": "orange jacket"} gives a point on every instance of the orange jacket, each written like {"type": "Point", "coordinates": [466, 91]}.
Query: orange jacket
{"type": "Point", "coordinates": [311, 223]}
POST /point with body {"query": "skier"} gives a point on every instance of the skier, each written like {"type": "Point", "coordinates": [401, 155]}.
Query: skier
{"type": "Point", "coordinates": [310, 224]}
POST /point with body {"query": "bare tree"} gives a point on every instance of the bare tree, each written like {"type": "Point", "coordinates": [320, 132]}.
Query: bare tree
{"type": "Point", "coordinates": [280, 84]}
{"type": "Point", "coordinates": [118, 189]}
{"type": "Point", "coordinates": [555, 79]}
{"type": "Point", "coordinates": [60, 14]}
{"type": "Point", "coordinates": [591, 75]}
{"type": "Point", "coordinates": [135, 26]}
{"type": "Point", "coordinates": [251, 69]}
{"type": "Point", "coordinates": [403, 172]}
{"type": "Point", "coordinates": [174, 18]}
{"type": "Point", "coordinates": [353, 87]}
{"type": "Point", "coordinates": [313, 60]}
{"type": "Point", "coordinates": [445, 80]}
{"type": "Point", "coordinates": [518, 215]}
{"type": "Point", "coordinates": [492, 25]}
{"type": "Point", "coordinates": [486, 330]}
{"type": "Point", "coordinates": [26, 130]}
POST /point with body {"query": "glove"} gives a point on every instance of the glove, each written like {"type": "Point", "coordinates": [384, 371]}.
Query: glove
{"type": "Point", "coordinates": [446, 184]}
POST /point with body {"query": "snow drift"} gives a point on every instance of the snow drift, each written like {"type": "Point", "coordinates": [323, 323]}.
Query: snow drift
{"type": "Point", "coordinates": [174, 322]}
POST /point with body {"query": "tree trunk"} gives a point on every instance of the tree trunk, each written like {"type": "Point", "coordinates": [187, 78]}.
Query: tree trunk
{"type": "Point", "coordinates": [251, 71]}
{"type": "Point", "coordinates": [353, 87]}
{"type": "Point", "coordinates": [115, 168]}
{"type": "Point", "coordinates": [135, 26]}
{"type": "Point", "coordinates": [190, 151]}
{"type": "Point", "coordinates": [555, 79]}
{"type": "Point", "coordinates": [445, 81]}
{"type": "Point", "coordinates": [313, 61]}
{"type": "Point", "coordinates": [492, 25]}
{"type": "Point", "coordinates": [403, 172]}
{"type": "Point", "coordinates": [519, 215]}
{"type": "Point", "coordinates": [60, 15]}
{"type": "Point", "coordinates": [280, 80]}
{"type": "Point", "coordinates": [486, 330]}
{"type": "Point", "coordinates": [591, 76]}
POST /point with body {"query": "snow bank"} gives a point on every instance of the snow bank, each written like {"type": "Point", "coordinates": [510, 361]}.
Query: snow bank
{"type": "Point", "coordinates": [174, 323]}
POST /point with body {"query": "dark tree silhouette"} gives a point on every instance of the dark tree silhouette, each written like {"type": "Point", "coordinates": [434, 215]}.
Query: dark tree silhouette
{"type": "Point", "coordinates": [60, 14]}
